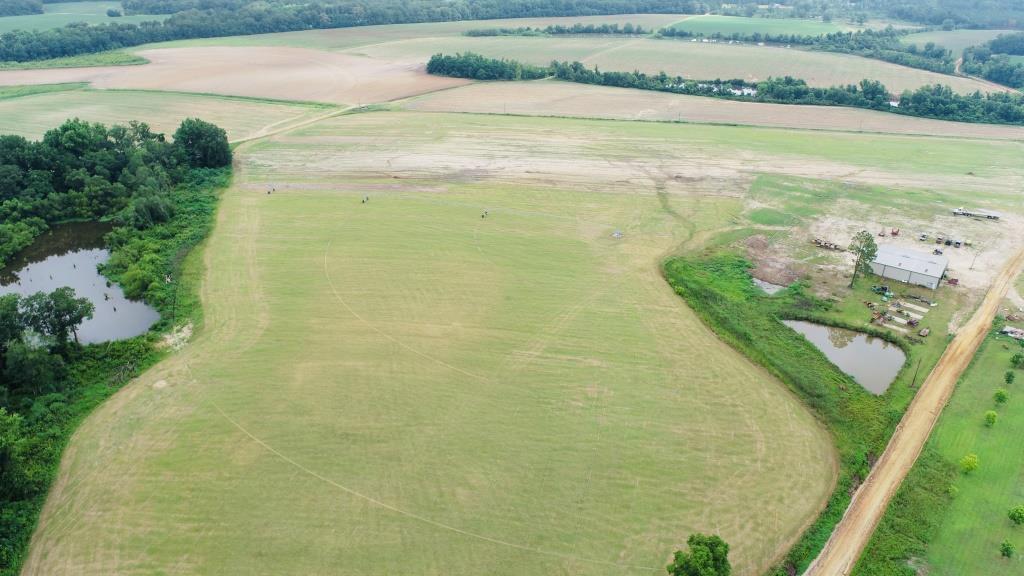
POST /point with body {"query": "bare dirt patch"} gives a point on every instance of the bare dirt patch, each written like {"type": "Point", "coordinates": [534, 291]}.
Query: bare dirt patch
{"type": "Point", "coordinates": [548, 98]}
{"type": "Point", "coordinates": [282, 73]}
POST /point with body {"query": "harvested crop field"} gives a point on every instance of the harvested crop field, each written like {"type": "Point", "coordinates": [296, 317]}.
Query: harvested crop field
{"type": "Point", "coordinates": [552, 98]}
{"type": "Point", "coordinates": [708, 24]}
{"type": "Point", "coordinates": [404, 383]}
{"type": "Point", "coordinates": [678, 57]}
{"type": "Point", "coordinates": [281, 73]}
{"type": "Point", "coordinates": [955, 40]}
{"type": "Point", "coordinates": [31, 116]}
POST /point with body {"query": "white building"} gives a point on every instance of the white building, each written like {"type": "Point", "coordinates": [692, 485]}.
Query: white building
{"type": "Point", "coordinates": [910, 266]}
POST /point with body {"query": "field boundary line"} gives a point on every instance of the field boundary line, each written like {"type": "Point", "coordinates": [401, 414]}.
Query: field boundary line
{"type": "Point", "coordinates": [406, 513]}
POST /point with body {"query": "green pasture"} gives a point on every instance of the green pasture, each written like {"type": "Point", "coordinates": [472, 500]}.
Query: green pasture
{"type": "Point", "coordinates": [343, 38]}
{"type": "Point", "coordinates": [955, 40]}
{"type": "Point", "coordinates": [60, 15]}
{"type": "Point", "coordinates": [975, 523]}
{"type": "Point", "coordinates": [711, 24]}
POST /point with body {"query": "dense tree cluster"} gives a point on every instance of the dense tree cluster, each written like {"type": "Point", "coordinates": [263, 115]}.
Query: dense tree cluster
{"type": "Point", "coordinates": [878, 44]}
{"type": "Point", "coordinates": [707, 556]}
{"type": "Point", "coordinates": [470, 65]}
{"type": "Point", "coordinates": [992, 60]}
{"type": "Point", "coordinates": [85, 171]}
{"type": "Point", "coordinates": [20, 7]}
{"type": "Point", "coordinates": [224, 19]}
{"type": "Point", "coordinates": [559, 29]}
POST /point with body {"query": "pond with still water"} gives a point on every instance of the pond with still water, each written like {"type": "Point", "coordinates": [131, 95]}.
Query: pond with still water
{"type": "Point", "coordinates": [67, 255]}
{"type": "Point", "coordinates": [872, 362]}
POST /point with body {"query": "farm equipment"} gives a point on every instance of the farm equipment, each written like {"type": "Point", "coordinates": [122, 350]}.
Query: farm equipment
{"type": "Point", "coordinates": [983, 214]}
{"type": "Point", "coordinates": [922, 237]}
{"type": "Point", "coordinates": [882, 291]}
{"type": "Point", "coordinates": [827, 245]}
{"type": "Point", "coordinates": [937, 252]}
{"type": "Point", "coordinates": [953, 281]}
{"type": "Point", "coordinates": [882, 233]}
{"type": "Point", "coordinates": [924, 332]}
{"type": "Point", "coordinates": [894, 232]}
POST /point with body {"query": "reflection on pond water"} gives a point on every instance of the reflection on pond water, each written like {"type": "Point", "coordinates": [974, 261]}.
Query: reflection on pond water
{"type": "Point", "coordinates": [67, 256]}
{"type": "Point", "coordinates": [872, 362]}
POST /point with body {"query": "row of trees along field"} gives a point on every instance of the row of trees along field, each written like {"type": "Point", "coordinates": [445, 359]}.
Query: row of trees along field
{"type": "Point", "coordinates": [878, 44]}
{"type": "Point", "coordinates": [993, 60]}
{"type": "Point", "coordinates": [161, 195]}
{"type": "Point", "coordinates": [936, 101]}
{"type": "Point", "coordinates": [559, 29]}
{"type": "Point", "coordinates": [211, 18]}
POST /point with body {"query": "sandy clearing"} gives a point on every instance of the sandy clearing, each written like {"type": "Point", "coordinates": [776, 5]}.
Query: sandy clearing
{"type": "Point", "coordinates": [550, 98]}
{"type": "Point", "coordinates": [282, 73]}
{"type": "Point", "coordinates": [871, 500]}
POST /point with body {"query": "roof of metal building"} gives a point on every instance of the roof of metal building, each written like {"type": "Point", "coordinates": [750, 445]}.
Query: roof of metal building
{"type": "Point", "coordinates": [912, 260]}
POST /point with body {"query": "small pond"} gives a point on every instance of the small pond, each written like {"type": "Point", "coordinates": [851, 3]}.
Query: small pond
{"type": "Point", "coordinates": [67, 255]}
{"type": "Point", "coordinates": [872, 362]}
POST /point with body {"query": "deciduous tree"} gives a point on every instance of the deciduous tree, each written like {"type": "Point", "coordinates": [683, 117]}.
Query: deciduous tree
{"type": "Point", "coordinates": [864, 251]}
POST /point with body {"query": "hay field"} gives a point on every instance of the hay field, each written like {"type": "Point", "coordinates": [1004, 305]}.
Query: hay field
{"type": "Point", "coordinates": [64, 13]}
{"type": "Point", "coordinates": [31, 116]}
{"type": "Point", "coordinates": [405, 383]}
{"type": "Point", "coordinates": [677, 57]}
{"type": "Point", "coordinates": [552, 98]}
{"type": "Point", "coordinates": [271, 72]}
{"type": "Point", "coordinates": [708, 24]}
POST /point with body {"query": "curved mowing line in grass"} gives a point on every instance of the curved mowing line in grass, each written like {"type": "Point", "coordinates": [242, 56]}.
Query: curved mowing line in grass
{"type": "Point", "coordinates": [406, 513]}
{"type": "Point", "coordinates": [355, 314]}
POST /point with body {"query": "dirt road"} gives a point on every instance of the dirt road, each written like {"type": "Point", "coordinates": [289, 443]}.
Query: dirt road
{"type": "Point", "coordinates": [870, 502]}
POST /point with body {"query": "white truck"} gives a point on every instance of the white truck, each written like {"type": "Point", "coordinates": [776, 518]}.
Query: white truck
{"type": "Point", "coordinates": [976, 213]}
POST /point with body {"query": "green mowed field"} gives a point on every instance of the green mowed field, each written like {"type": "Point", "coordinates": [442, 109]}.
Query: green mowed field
{"type": "Point", "coordinates": [711, 23]}
{"type": "Point", "coordinates": [62, 14]}
{"type": "Point", "coordinates": [675, 57]}
{"type": "Point", "coordinates": [342, 38]}
{"type": "Point", "coordinates": [955, 40]}
{"type": "Point", "coordinates": [33, 114]}
{"type": "Point", "coordinates": [976, 523]}
{"type": "Point", "coordinates": [404, 383]}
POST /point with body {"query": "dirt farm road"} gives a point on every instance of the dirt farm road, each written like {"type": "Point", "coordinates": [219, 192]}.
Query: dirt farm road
{"type": "Point", "coordinates": [870, 502]}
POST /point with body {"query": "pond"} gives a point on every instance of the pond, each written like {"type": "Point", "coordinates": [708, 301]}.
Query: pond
{"type": "Point", "coordinates": [872, 362]}
{"type": "Point", "coordinates": [67, 255]}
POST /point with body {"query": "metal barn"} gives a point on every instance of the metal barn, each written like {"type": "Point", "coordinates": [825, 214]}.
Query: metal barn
{"type": "Point", "coordinates": [910, 266]}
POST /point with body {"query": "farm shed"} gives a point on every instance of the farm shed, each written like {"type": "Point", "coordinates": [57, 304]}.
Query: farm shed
{"type": "Point", "coordinates": [909, 266]}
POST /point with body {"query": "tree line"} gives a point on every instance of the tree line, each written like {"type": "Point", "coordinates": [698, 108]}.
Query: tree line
{"type": "Point", "coordinates": [20, 7]}
{"type": "Point", "coordinates": [937, 101]}
{"type": "Point", "coordinates": [877, 44]}
{"type": "Point", "coordinates": [559, 29]}
{"type": "Point", "coordinates": [226, 18]}
{"type": "Point", "coordinates": [86, 171]}
{"type": "Point", "coordinates": [470, 65]}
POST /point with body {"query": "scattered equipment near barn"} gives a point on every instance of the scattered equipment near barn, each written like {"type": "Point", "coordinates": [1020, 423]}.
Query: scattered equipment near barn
{"type": "Point", "coordinates": [975, 213]}
{"type": "Point", "coordinates": [910, 266]}
{"type": "Point", "coordinates": [827, 245]}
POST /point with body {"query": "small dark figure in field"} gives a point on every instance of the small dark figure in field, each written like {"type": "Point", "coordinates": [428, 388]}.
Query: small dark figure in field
{"type": "Point", "coordinates": [366, 199]}
{"type": "Point", "coordinates": [484, 215]}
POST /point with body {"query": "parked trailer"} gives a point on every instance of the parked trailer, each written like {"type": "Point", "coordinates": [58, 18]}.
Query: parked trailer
{"type": "Point", "coordinates": [975, 213]}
